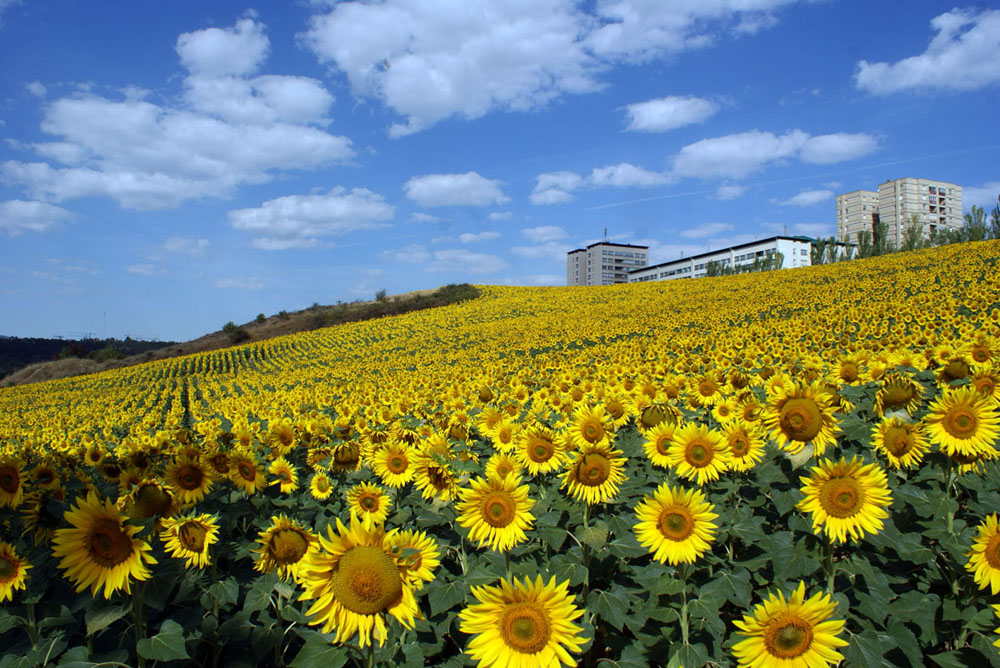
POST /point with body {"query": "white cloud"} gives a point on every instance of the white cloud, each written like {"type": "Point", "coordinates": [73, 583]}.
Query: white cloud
{"type": "Point", "coordinates": [18, 216]}
{"type": "Point", "coordinates": [36, 88]}
{"type": "Point", "coordinates": [706, 230]}
{"type": "Point", "coordinates": [412, 254]}
{"type": "Point", "coordinates": [239, 283]}
{"type": "Point", "coordinates": [4, 4]}
{"type": "Point", "coordinates": [624, 175]}
{"type": "Point", "coordinates": [231, 131]}
{"type": "Point", "coordinates": [543, 234]}
{"type": "Point", "coordinates": [555, 187]}
{"type": "Point", "coordinates": [553, 251]}
{"type": "Point", "coordinates": [460, 261]}
{"type": "Point", "coordinates": [469, 238]}
{"type": "Point", "coordinates": [424, 218]}
{"type": "Point", "coordinates": [297, 221]}
{"type": "Point", "coordinates": [964, 55]}
{"type": "Point", "coordinates": [668, 113]}
{"type": "Point", "coordinates": [469, 189]}
{"type": "Point", "coordinates": [500, 215]}
{"type": "Point", "coordinates": [738, 155]}
{"type": "Point", "coordinates": [815, 230]}
{"type": "Point", "coordinates": [984, 196]}
{"type": "Point", "coordinates": [730, 192]}
{"type": "Point", "coordinates": [141, 269]}
{"type": "Point", "coordinates": [808, 198]}
{"type": "Point", "coordinates": [186, 245]}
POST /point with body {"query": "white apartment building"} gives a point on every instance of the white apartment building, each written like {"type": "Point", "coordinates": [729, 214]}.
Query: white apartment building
{"type": "Point", "coordinates": [937, 205]}
{"type": "Point", "coordinates": [795, 251]}
{"type": "Point", "coordinates": [604, 263]}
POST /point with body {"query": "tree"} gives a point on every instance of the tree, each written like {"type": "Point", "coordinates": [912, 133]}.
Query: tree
{"type": "Point", "coordinates": [380, 295]}
{"type": "Point", "coordinates": [975, 224]}
{"type": "Point", "coordinates": [818, 251]}
{"type": "Point", "coordinates": [865, 244]}
{"type": "Point", "coordinates": [995, 221]}
{"type": "Point", "coordinates": [913, 238]}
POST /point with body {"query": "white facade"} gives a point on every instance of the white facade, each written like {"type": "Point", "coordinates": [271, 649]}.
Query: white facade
{"type": "Point", "coordinates": [796, 252]}
{"type": "Point", "coordinates": [604, 263]}
{"type": "Point", "coordinates": [937, 205]}
{"type": "Point", "coordinates": [856, 211]}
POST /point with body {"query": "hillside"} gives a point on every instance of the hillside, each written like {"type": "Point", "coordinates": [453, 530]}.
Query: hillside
{"type": "Point", "coordinates": [33, 363]}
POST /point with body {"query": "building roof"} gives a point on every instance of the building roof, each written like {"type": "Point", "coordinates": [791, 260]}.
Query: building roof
{"type": "Point", "coordinates": [720, 250]}
{"type": "Point", "coordinates": [608, 243]}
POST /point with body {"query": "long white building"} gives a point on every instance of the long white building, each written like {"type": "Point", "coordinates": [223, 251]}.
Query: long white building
{"type": "Point", "coordinates": [795, 251]}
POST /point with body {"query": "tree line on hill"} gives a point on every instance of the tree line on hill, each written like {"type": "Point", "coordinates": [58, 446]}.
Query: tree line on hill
{"type": "Point", "coordinates": [17, 353]}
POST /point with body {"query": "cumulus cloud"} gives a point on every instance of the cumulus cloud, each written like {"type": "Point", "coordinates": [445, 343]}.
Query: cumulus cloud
{"type": "Point", "coordinates": [624, 175]}
{"type": "Point", "coordinates": [186, 245]}
{"type": "Point", "coordinates": [730, 192]}
{"type": "Point", "coordinates": [543, 234]}
{"type": "Point", "coordinates": [964, 55]}
{"type": "Point", "coordinates": [239, 283]}
{"type": "Point", "coordinates": [297, 221]}
{"type": "Point", "coordinates": [808, 198]}
{"type": "Point", "coordinates": [461, 261]}
{"type": "Point", "coordinates": [984, 195]}
{"type": "Point", "coordinates": [738, 155]}
{"type": "Point", "coordinates": [469, 189]}
{"type": "Point", "coordinates": [500, 215]}
{"type": "Point", "coordinates": [141, 269]}
{"type": "Point", "coordinates": [428, 61]}
{"type": "Point", "coordinates": [552, 251]}
{"type": "Point", "coordinates": [706, 230]}
{"type": "Point", "coordinates": [36, 88]}
{"type": "Point", "coordinates": [558, 187]}
{"type": "Point", "coordinates": [467, 238]}
{"type": "Point", "coordinates": [412, 254]}
{"type": "Point", "coordinates": [231, 130]}
{"type": "Point", "coordinates": [18, 216]}
{"type": "Point", "coordinates": [668, 113]}
{"type": "Point", "coordinates": [424, 218]}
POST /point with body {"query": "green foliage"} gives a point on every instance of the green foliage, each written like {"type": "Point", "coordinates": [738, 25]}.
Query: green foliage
{"type": "Point", "coordinates": [235, 333]}
{"type": "Point", "coordinates": [380, 295]}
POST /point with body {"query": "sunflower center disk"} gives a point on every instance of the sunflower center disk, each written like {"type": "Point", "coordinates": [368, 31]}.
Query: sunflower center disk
{"type": "Point", "coordinates": [663, 445]}
{"type": "Point", "coordinates": [788, 639]}
{"type": "Point", "coordinates": [288, 546]}
{"type": "Point", "coordinates": [676, 523]}
{"type": "Point", "coordinates": [739, 445]}
{"type": "Point", "coordinates": [8, 569]}
{"type": "Point", "coordinates": [992, 552]}
{"type": "Point", "coordinates": [699, 454]}
{"type": "Point", "coordinates": [397, 464]}
{"type": "Point", "coordinates": [592, 432]}
{"type": "Point", "coordinates": [593, 470]}
{"type": "Point", "coordinates": [525, 628]}
{"type": "Point", "coordinates": [498, 509]}
{"type": "Point", "coordinates": [841, 497]}
{"type": "Point", "coordinates": [849, 372]}
{"type": "Point", "coordinates": [801, 419]}
{"type": "Point", "coordinates": [109, 545]}
{"type": "Point", "coordinates": [9, 481]}
{"type": "Point", "coordinates": [897, 441]}
{"type": "Point", "coordinates": [369, 503]}
{"type": "Point", "coordinates": [366, 580]}
{"type": "Point", "coordinates": [897, 395]}
{"type": "Point", "coordinates": [956, 369]}
{"type": "Point", "coordinates": [960, 422]}
{"type": "Point", "coordinates": [192, 536]}
{"type": "Point", "coordinates": [150, 500]}
{"type": "Point", "coordinates": [190, 477]}
{"type": "Point", "coordinates": [247, 471]}
{"type": "Point", "coordinates": [541, 452]}
{"type": "Point", "coordinates": [652, 416]}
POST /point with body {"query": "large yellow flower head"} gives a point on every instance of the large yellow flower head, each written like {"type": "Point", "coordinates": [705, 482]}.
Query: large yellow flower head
{"type": "Point", "coordinates": [984, 558]}
{"type": "Point", "coordinates": [433, 477]}
{"type": "Point", "coordinates": [101, 550]}
{"type": "Point", "coordinates": [590, 426]}
{"type": "Point", "coordinates": [392, 464]}
{"type": "Point", "coordinates": [522, 624]}
{"type": "Point", "coordinates": [245, 472]}
{"type": "Point", "coordinates": [797, 633]}
{"type": "Point", "coordinates": [675, 524]}
{"type": "Point", "coordinates": [800, 415]}
{"type": "Point", "coordinates": [698, 453]}
{"type": "Point", "coordinates": [417, 555]}
{"type": "Point", "coordinates": [903, 443]}
{"type": "Point", "coordinates": [539, 451]}
{"type": "Point", "coordinates": [283, 546]}
{"type": "Point", "coordinates": [963, 422]}
{"type": "Point", "coordinates": [745, 443]}
{"type": "Point", "coordinates": [11, 481]}
{"type": "Point", "coordinates": [594, 474]}
{"type": "Point", "coordinates": [355, 579]}
{"type": "Point", "coordinates": [503, 465]}
{"type": "Point", "coordinates": [190, 537]}
{"type": "Point", "coordinates": [189, 479]}
{"type": "Point", "coordinates": [898, 392]}
{"type": "Point", "coordinates": [846, 498]}
{"type": "Point", "coordinates": [13, 572]}
{"type": "Point", "coordinates": [320, 486]}
{"type": "Point", "coordinates": [657, 443]}
{"type": "Point", "coordinates": [287, 478]}
{"type": "Point", "coordinates": [496, 511]}
{"type": "Point", "coordinates": [369, 503]}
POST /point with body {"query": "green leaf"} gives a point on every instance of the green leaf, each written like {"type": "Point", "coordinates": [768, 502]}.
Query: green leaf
{"type": "Point", "coordinates": [689, 656]}
{"type": "Point", "coordinates": [907, 642]}
{"type": "Point", "coordinates": [445, 597]}
{"type": "Point", "coordinates": [867, 650]}
{"type": "Point", "coordinates": [920, 609]}
{"type": "Point", "coordinates": [627, 547]}
{"type": "Point", "coordinates": [633, 656]}
{"type": "Point", "coordinates": [948, 660]}
{"type": "Point", "coordinates": [76, 657]}
{"type": "Point", "coordinates": [610, 606]}
{"type": "Point", "coordinates": [167, 645]}
{"type": "Point", "coordinates": [101, 615]}
{"type": "Point", "coordinates": [595, 537]}
{"type": "Point", "coordinates": [9, 621]}
{"type": "Point", "coordinates": [986, 647]}
{"type": "Point", "coordinates": [318, 652]}
{"type": "Point", "coordinates": [734, 586]}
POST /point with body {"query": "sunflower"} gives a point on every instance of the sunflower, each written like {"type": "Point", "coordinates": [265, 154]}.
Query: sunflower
{"type": "Point", "coordinates": [984, 558]}
{"type": "Point", "coordinates": [497, 512]}
{"type": "Point", "coordinates": [417, 555]}
{"type": "Point", "coordinates": [675, 524]}
{"type": "Point", "coordinates": [11, 481]}
{"type": "Point", "coordinates": [502, 465]}
{"type": "Point", "coordinates": [898, 392]}
{"type": "Point", "coordinates": [652, 415]}
{"type": "Point", "coordinates": [101, 550]}
{"type": "Point", "coordinates": [618, 407]}
{"type": "Point", "coordinates": [594, 474]}
{"type": "Point", "coordinates": [433, 478]}
{"type": "Point", "coordinates": [354, 580]}
{"type": "Point", "coordinates": [846, 498]}
{"type": "Point", "coordinates": [792, 633]}
{"type": "Point", "coordinates": [590, 426]}
{"type": "Point", "coordinates": [283, 546]}
{"type": "Point", "coordinates": [41, 514]}
{"type": "Point", "coordinates": [987, 382]}
{"type": "Point", "coordinates": [369, 502]}
{"type": "Point", "coordinates": [149, 498]}
{"type": "Point", "coordinates": [504, 434]}
{"type": "Point", "coordinates": [522, 624]}
{"type": "Point", "coordinates": [706, 390]}
{"type": "Point", "coordinates": [799, 415]}
{"type": "Point", "coordinates": [346, 458]}
{"type": "Point", "coordinates": [188, 479]}
{"type": "Point", "coordinates": [996, 613]}
{"type": "Point", "coordinates": [745, 443]}
{"type": "Point", "coordinates": [287, 477]}
{"type": "Point", "coordinates": [13, 572]}
{"type": "Point", "coordinates": [392, 464]}
{"type": "Point", "coordinates": [726, 410]}
{"type": "Point", "coordinates": [657, 443]}
{"type": "Point", "coordinates": [902, 443]}
{"type": "Point", "coordinates": [320, 486]}
{"type": "Point", "coordinates": [539, 451]}
{"type": "Point", "coordinates": [963, 422]}
{"type": "Point", "coordinates": [245, 473]}
{"type": "Point", "coordinates": [698, 453]}
{"type": "Point", "coordinates": [189, 538]}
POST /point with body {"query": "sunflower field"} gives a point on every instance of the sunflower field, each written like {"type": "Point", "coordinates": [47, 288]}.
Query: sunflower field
{"type": "Point", "coordinates": [791, 469]}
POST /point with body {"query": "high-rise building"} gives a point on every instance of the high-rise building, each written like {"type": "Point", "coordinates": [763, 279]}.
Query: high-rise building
{"type": "Point", "coordinates": [937, 205]}
{"type": "Point", "coordinates": [604, 263]}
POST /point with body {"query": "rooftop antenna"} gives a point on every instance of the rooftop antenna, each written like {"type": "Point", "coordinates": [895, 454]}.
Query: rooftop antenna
{"type": "Point", "coordinates": [605, 234]}
{"type": "Point", "coordinates": [786, 230]}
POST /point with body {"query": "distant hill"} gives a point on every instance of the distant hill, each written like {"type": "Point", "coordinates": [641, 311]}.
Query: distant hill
{"type": "Point", "coordinates": [17, 353]}
{"type": "Point", "coordinates": [47, 366]}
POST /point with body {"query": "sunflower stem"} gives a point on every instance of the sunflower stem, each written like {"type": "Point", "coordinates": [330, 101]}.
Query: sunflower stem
{"type": "Point", "coordinates": [685, 631]}
{"type": "Point", "coordinates": [32, 626]}
{"type": "Point", "coordinates": [506, 556]}
{"type": "Point", "coordinates": [829, 566]}
{"type": "Point", "coordinates": [140, 627]}
{"type": "Point", "coordinates": [370, 658]}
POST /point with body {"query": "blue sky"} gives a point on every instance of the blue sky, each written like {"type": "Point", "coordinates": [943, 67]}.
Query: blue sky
{"type": "Point", "coordinates": [169, 166]}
